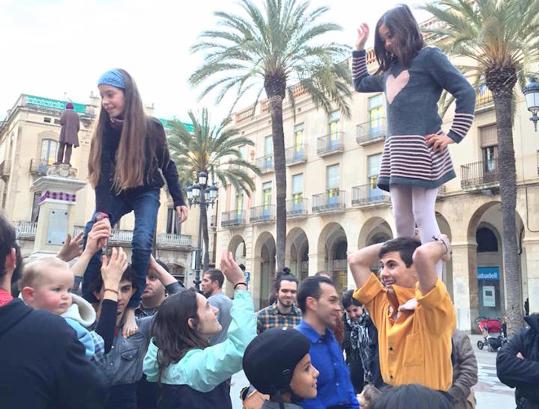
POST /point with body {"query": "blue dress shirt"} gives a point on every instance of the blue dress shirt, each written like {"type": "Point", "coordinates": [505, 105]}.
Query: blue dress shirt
{"type": "Point", "coordinates": [334, 386]}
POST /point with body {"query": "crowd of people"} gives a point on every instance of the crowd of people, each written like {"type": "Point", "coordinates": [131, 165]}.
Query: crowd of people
{"type": "Point", "coordinates": [398, 346]}
{"type": "Point", "coordinates": [88, 329]}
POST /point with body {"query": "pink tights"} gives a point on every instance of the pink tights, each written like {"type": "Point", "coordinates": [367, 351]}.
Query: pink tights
{"type": "Point", "coordinates": [413, 206]}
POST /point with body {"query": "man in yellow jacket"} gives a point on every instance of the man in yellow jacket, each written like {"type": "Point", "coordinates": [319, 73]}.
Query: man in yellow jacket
{"type": "Point", "coordinates": [411, 309]}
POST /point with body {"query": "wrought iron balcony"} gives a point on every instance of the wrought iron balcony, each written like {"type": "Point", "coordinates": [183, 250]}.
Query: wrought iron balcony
{"type": "Point", "coordinates": [479, 175]}
{"type": "Point", "coordinates": [233, 218]}
{"type": "Point", "coordinates": [367, 195]}
{"type": "Point", "coordinates": [296, 208]}
{"type": "Point", "coordinates": [484, 99]}
{"type": "Point", "coordinates": [333, 200]}
{"type": "Point", "coordinates": [296, 155]}
{"type": "Point", "coordinates": [265, 163]}
{"type": "Point", "coordinates": [371, 132]}
{"type": "Point", "coordinates": [262, 214]}
{"type": "Point", "coordinates": [330, 144]}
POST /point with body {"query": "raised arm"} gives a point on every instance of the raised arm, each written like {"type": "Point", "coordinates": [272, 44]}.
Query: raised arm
{"type": "Point", "coordinates": [363, 82]}
{"type": "Point", "coordinates": [100, 231]}
{"type": "Point", "coordinates": [111, 271]}
{"type": "Point", "coordinates": [425, 258]}
{"type": "Point", "coordinates": [360, 262]}
{"type": "Point", "coordinates": [168, 280]}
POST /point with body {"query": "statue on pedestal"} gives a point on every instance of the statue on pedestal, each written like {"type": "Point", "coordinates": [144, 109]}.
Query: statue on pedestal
{"type": "Point", "coordinates": [69, 138]}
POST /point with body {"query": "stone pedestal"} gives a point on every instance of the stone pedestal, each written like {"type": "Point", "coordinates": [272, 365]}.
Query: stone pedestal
{"type": "Point", "coordinates": [58, 196]}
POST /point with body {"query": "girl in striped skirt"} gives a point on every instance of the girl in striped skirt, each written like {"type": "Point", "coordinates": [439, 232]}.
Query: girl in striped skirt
{"type": "Point", "coordinates": [415, 161]}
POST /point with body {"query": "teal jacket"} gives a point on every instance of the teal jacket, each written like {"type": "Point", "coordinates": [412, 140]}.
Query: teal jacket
{"type": "Point", "coordinates": [204, 369]}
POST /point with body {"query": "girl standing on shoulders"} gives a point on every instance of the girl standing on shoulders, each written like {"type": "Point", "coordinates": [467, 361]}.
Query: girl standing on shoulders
{"type": "Point", "coordinates": [128, 159]}
{"type": "Point", "coordinates": [415, 161]}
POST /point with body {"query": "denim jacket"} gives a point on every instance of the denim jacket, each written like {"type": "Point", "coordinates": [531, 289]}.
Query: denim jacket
{"type": "Point", "coordinates": [123, 363]}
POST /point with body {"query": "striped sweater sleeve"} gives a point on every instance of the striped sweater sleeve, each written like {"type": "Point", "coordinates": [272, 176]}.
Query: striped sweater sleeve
{"type": "Point", "coordinates": [451, 79]}
{"type": "Point", "coordinates": [363, 82]}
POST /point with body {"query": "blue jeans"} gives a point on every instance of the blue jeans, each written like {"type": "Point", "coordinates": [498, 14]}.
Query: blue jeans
{"type": "Point", "coordinates": [145, 205]}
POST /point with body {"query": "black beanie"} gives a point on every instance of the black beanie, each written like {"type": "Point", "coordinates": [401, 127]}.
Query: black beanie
{"type": "Point", "coordinates": [271, 357]}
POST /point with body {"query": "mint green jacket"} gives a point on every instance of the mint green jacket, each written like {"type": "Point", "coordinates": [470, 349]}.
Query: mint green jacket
{"type": "Point", "coordinates": [204, 369]}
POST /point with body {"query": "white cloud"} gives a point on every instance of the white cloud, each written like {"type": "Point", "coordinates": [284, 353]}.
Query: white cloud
{"type": "Point", "coordinates": [52, 47]}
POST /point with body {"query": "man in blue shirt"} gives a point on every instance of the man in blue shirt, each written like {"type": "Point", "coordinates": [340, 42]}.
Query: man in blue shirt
{"type": "Point", "coordinates": [321, 308]}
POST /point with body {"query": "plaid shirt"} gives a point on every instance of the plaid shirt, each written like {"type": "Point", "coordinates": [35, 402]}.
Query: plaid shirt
{"type": "Point", "coordinates": [271, 317]}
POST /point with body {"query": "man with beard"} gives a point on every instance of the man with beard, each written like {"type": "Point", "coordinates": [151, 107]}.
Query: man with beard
{"type": "Point", "coordinates": [412, 309]}
{"type": "Point", "coordinates": [159, 283]}
{"type": "Point", "coordinates": [283, 313]}
{"type": "Point", "coordinates": [212, 288]}
{"type": "Point", "coordinates": [321, 308]}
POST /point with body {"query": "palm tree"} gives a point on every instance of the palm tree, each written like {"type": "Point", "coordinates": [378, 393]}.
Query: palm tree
{"type": "Point", "coordinates": [267, 50]}
{"type": "Point", "coordinates": [214, 150]}
{"type": "Point", "coordinates": [499, 39]}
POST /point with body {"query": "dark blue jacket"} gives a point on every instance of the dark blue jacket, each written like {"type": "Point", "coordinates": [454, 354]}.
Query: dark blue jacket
{"type": "Point", "coordinates": [522, 374]}
{"type": "Point", "coordinates": [42, 364]}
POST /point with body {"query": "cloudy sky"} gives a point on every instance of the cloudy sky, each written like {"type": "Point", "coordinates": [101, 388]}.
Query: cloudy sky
{"type": "Point", "coordinates": [58, 48]}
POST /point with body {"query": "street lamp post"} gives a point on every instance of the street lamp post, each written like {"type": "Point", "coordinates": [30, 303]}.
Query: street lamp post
{"type": "Point", "coordinates": [531, 92]}
{"type": "Point", "coordinates": [203, 195]}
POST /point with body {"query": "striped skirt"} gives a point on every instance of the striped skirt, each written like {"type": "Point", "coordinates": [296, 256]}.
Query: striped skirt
{"type": "Point", "coordinates": [408, 160]}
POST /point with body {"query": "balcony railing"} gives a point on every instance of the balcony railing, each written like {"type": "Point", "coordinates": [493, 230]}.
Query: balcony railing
{"type": "Point", "coordinates": [484, 99]}
{"type": "Point", "coordinates": [173, 240]}
{"type": "Point", "coordinates": [296, 207]}
{"type": "Point", "coordinates": [26, 230]}
{"type": "Point", "coordinates": [330, 201]}
{"type": "Point", "coordinates": [296, 155]}
{"type": "Point", "coordinates": [366, 195]}
{"type": "Point", "coordinates": [125, 237]}
{"type": "Point", "coordinates": [118, 237]}
{"type": "Point", "coordinates": [329, 144]}
{"type": "Point", "coordinates": [5, 169]}
{"type": "Point", "coordinates": [38, 167]}
{"type": "Point", "coordinates": [233, 218]}
{"type": "Point", "coordinates": [262, 214]}
{"type": "Point", "coordinates": [479, 175]}
{"type": "Point", "coordinates": [265, 163]}
{"type": "Point", "coordinates": [372, 131]}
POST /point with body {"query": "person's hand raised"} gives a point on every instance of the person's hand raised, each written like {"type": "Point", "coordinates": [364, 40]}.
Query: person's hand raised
{"type": "Point", "coordinates": [71, 249]}
{"type": "Point", "coordinates": [362, 36]}
{"type": "Point", "coordinates": [113, 267]}
{"type": "Point", "coordinates": [98, 236]}
{"type": "Point", "coordinates": [231, 269]}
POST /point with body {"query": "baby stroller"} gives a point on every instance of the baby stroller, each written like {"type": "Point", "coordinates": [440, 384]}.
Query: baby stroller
{"type": "Point", "coordinates": [494, 333]}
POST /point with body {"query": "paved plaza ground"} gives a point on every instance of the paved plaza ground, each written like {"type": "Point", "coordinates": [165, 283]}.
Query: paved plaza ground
{"type": "Point", "coordinates": [489, 391]}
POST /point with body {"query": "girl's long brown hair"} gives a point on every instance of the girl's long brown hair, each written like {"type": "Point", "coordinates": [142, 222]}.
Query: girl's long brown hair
{"type": "Point", "coordinates": [134, 149]}
{"type": "Point", "coordinates": [403, 26]}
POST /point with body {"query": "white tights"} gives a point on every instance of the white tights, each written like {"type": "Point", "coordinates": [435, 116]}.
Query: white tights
{"type": "Point", "coordinates": [413, 206]}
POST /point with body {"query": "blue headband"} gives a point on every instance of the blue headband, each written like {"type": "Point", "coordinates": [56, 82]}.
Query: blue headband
{"type": "Point", "coordinates": [112, 77]}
